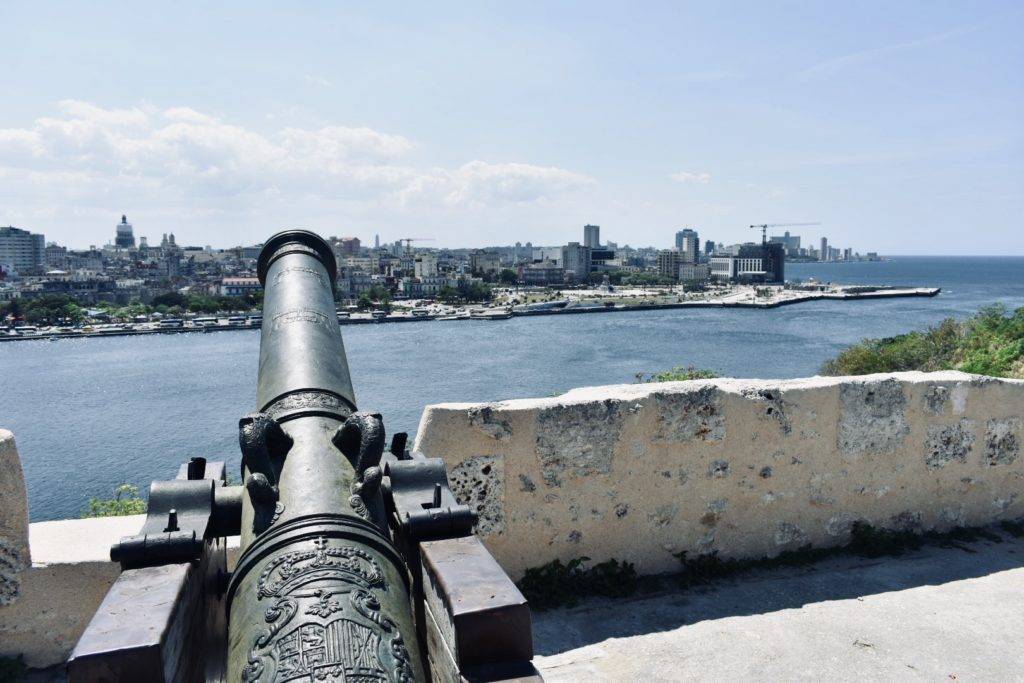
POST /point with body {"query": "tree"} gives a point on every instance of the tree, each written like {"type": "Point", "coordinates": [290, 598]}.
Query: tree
{"type": "Point", "coordinates": [447, 294]}
{"type": "Point", "coordinates": [51, 309]}
{"type": "Point", "coordinates": [375, 297]}
{"type": "Point", "coordinates": [508, 277]}
{"type": "Point", "coordinates": [170, 299]}
{"type": "Point", "coordinates": [12, 310]}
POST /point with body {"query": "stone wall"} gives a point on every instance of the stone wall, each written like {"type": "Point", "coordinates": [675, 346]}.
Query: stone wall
{"type": "Point", "coordinates": [53, 575]}
{"type": "Point", "coordinates": [14, 548]}
{"type": "Point", "coordinates": [744, 468]}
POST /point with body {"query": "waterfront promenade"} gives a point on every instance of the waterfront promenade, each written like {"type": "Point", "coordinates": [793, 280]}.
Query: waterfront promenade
{"type": "Point", "coordinates": [596, 302]}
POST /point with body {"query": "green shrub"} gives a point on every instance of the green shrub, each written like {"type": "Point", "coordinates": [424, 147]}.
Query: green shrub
{"type": "Point", "coordinates": [989, 343]}
{"type": "Point", "coordinates": [126, 501]}
{"type": "Point", "coordinates": [679, 373]}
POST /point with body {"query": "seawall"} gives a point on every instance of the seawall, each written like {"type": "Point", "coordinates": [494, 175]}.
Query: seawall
{"type": "Point", "coordinates": [803, 297]}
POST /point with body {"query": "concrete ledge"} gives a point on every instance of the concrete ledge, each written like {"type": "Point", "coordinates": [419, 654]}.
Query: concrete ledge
{"type": "Point", "coordinates": [70, 573]}
{"type": "Point", "coordinates": [742, 468]}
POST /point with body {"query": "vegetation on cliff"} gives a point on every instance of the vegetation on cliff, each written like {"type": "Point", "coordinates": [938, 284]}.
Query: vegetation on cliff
{"type": "Point", "coordinates": [126, 501]}
{"type": "Point", "coordinates": [989, 343]}
{"type": "Point", "coordinates": [679, 373]}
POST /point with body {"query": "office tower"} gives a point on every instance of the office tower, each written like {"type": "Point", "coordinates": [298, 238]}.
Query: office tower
{"type": "Point", "coordinates": [688, 245]}
{"type": "Point", "coordinates": [22, 250]}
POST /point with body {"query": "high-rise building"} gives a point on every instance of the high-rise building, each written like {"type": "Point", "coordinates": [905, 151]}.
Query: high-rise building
{"type": "Point", "coordinates": [668, 263]}
{"type": "Point", "coordinates": [709, 247]}
{"type": "Point", "coordinates": [791, 243]}
{"type": "Point", "coordinates": [688, 245]}
{"type": "Point", "coordinates": [774, 263]}
{"type": "Point", "coordinates": [21, 250]}
{"type": "Point", "coordinates": [824, 249]}
{"type": "Point", "coordinates": [754, 263]}
{"type": "Point", "coordinates": [576, 260]}
{"type": "Point", "coordinates": [591, 236]}
{"type": "Point", "coordinates": [376, 241]}
{"type": "Point", "coordinates": [425, 265]}
{"type": "Point", "coordinates": [124, 237]}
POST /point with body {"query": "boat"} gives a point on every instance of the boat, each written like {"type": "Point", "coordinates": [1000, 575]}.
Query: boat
{"type": "Point", "coordinates": [455, 315]}
{"type": "Point", "coordinates": [490, 314]}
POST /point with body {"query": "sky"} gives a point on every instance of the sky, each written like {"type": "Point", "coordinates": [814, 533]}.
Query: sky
{"type": "Point", "coordinates": [898, 126]}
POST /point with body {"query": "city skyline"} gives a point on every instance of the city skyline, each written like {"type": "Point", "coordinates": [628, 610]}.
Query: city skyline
{"type": "Point", "coordinates": [124, 230]}
{"type": "Point", "coordinates": [428, 124]}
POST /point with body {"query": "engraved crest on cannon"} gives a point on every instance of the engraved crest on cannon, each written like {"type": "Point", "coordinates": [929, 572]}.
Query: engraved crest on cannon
{"type": "Point", "coordinates": [344, 636]}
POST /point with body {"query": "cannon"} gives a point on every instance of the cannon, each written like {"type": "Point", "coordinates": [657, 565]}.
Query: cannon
{"type": "Point", "coordinates": [355, 561]}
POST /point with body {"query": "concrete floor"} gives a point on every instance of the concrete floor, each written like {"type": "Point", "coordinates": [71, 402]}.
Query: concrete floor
{"type": "Point", "coordinates": [953, 613]}
{"type": "Point", "coordinates": [939, 613]}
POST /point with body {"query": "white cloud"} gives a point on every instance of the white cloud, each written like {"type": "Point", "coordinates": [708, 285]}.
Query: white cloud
{"type": "Point", "coordinates": [702, 178]}
{"type": "Point", "coordinates": [317, 80]}
{"type": "Point", "coordinates": [479, 184]}
{"type": "Point", "coordinates": [182, 157]}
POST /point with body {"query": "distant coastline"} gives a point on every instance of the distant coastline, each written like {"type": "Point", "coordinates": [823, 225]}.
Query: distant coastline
{"type": "Point", "coordinates": [776, 300]}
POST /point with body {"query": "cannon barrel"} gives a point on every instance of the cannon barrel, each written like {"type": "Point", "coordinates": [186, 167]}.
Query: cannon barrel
{"type": "Point", "coordinates": [354, 565]}
{"type": "Point", "coordinates": [319, 592]}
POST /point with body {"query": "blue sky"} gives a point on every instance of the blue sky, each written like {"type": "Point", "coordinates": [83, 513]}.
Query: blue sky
{"type": "Point", "coordinates": [898, 126]}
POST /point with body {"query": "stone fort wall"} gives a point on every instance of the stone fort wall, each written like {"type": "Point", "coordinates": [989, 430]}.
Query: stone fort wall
{"type": "Point", "coordinates": [640, 472]}
{"type": "Point", "coordinates": [744, 468]}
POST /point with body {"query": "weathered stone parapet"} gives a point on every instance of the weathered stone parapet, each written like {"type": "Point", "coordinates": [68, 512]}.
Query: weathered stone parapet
{"type": "Point", "coordinates": [47, 597]}
{"type": "Point", "coordinates": [14, 548]}
{"type": "Point", "coordinates": [71, 572]}
{"type": "Point", "coordinates": [744, 468]}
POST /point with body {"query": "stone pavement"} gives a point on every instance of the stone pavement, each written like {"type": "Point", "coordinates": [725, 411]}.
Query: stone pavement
{"type": "Point", "coordinates": [937, 614]}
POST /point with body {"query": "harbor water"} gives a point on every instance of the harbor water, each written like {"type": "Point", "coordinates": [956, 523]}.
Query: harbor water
{"type": "Point", "coordinates": [90, 414]}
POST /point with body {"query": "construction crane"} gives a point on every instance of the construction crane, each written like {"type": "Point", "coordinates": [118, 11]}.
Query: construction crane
{"type": "Point", "coordinates": [409, 240]}
{"type": "Point", "coordinates": [764, 228]}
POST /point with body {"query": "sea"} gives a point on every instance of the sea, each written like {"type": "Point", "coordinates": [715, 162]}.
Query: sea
{"type": "Point", "coordinates": [91, 414]}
